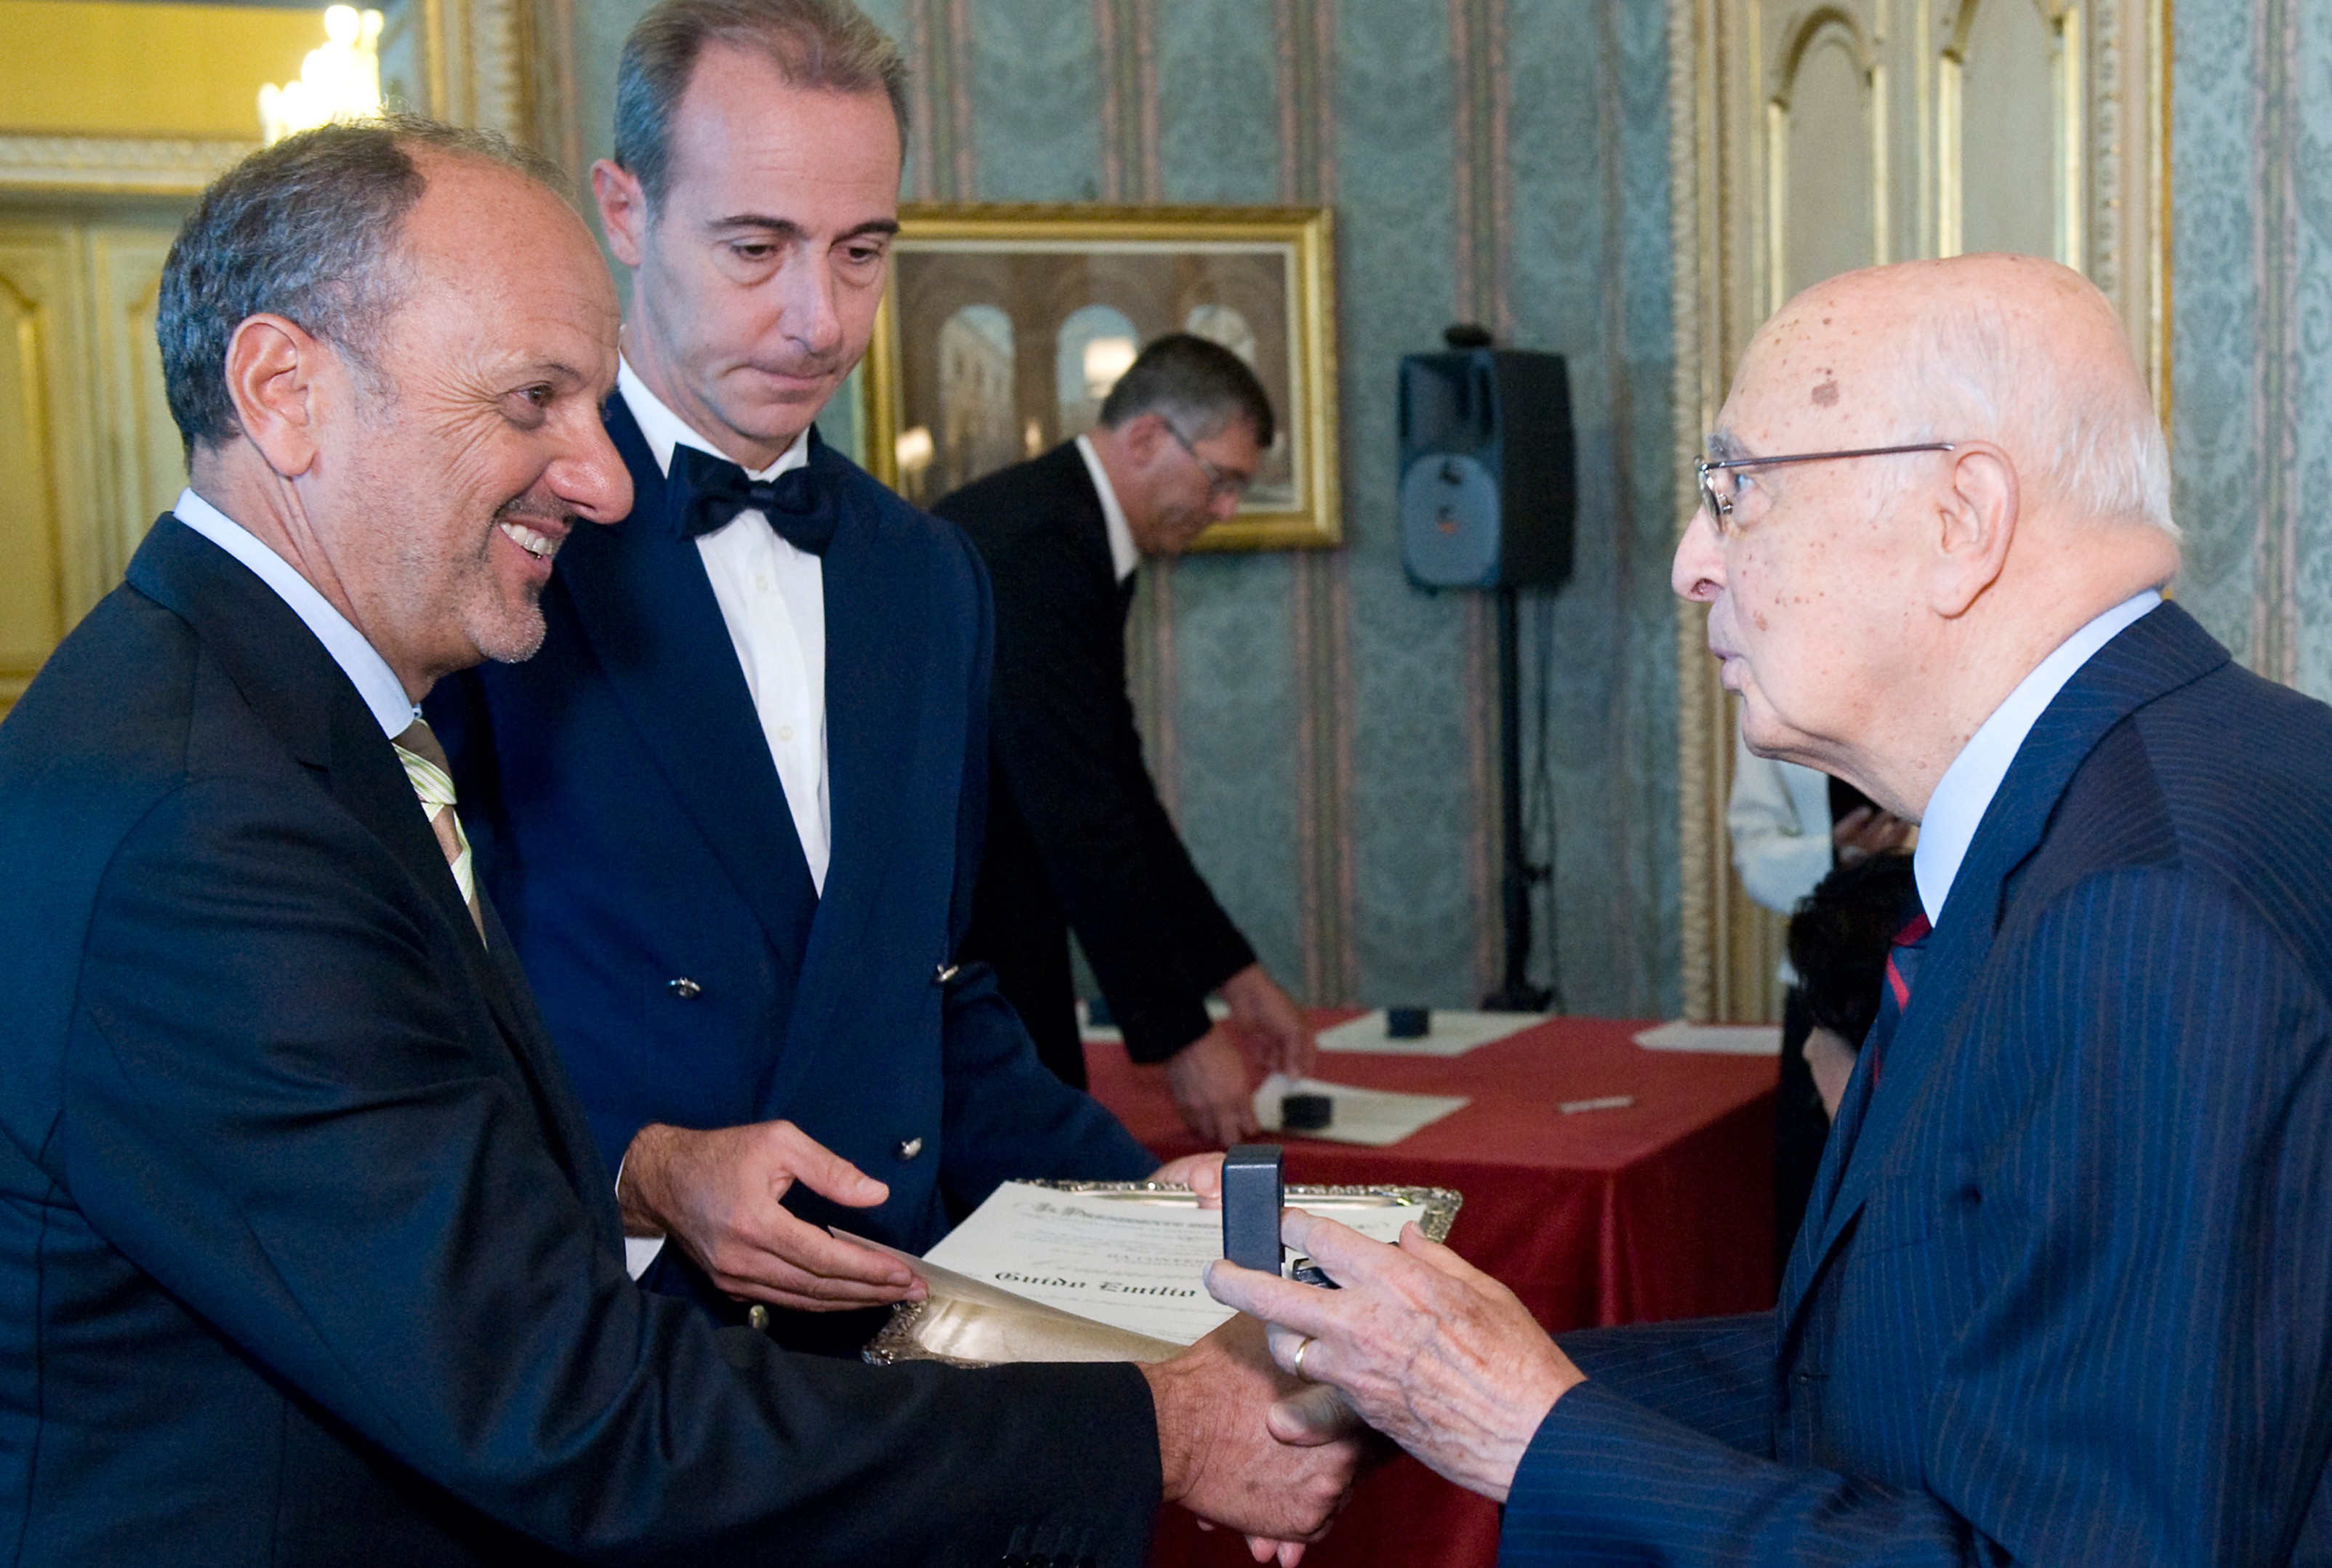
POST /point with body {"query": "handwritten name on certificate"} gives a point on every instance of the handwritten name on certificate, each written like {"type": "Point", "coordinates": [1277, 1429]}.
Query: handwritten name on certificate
{"type": "Point", "coordinates": [1133, 1264]}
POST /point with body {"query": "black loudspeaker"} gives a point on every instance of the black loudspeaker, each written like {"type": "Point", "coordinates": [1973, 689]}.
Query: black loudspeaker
{"type": "Point", "coordinates": [1488, 476]}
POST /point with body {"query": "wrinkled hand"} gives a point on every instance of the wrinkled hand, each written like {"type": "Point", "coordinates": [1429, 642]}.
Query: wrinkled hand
{"type": "Point", "coordinates": [1428, 1350]}
{"type": "Point", "coordinates": [1277, 1034]}
{"type": "Point", "coordinates": [1212, 1088]}
{"type": "Point", "coordinates": [1201, 1173]}
{"type": "Point", "coordinates": [1220, 1461]}
{"type": "Point", "coordinates": [1866, 831]}
{"type": "Point", "coordinates": [716, 1194]}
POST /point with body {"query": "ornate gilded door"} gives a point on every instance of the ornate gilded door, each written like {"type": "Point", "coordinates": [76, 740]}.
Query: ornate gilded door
{"type": "Point", "coordinates": [88, 454]}
{"type": "Point", "coordinates": [1807, 140]}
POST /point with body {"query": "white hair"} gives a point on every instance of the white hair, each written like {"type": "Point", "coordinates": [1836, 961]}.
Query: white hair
{"type": "Point", "coordinates": [2091, 432]}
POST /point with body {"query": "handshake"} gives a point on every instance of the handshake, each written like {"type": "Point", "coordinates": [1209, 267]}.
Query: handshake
{"type": "Point", "coordinates": [1264, 1429]}
{"type": "Point", "coordinates": [1261, 1431]}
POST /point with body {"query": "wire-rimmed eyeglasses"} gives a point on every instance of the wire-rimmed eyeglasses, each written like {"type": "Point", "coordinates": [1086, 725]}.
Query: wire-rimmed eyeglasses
{"type": "Point", "coordinates": [1720, 508]}
{"type": "Point", "coordinates": [1220, 482]}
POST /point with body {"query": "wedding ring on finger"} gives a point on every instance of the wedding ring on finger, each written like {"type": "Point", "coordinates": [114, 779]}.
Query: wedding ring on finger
{"type": "Point", "coordinates": [1295, 1361]}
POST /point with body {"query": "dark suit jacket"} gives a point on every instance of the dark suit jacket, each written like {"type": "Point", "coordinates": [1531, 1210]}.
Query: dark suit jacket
{"type": "Point", "coordinates": [1076, 836]}
{"type": "Point", "coordinates": [632, 828]}
{"type": "Point", "coordinates": [2064, 1292]}
{"type": "Point", "coordinates": [306, 1255]}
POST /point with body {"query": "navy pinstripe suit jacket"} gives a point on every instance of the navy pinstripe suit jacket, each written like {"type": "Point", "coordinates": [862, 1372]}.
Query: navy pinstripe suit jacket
{"type": "Point", "coordinates": [2064, 1291]}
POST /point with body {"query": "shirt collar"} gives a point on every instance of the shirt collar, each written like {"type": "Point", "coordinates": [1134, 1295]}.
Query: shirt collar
{"type": "Point", "coordinates": [1124, 555]}
{"type": "Point", "coordinates": [374, 681]}
{"type": "Point", "coordinates": [1964, 792]}
{"type": "Point", "coordinates": [665, 430]}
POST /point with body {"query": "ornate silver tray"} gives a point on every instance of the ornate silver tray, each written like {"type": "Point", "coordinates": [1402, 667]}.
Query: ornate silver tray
{"type": "Point", "coordinates": [968, 1323]}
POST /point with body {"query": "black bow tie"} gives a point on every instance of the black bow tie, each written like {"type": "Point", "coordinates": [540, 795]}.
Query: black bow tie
{"type": "Point", "coordinates": [706, 493]}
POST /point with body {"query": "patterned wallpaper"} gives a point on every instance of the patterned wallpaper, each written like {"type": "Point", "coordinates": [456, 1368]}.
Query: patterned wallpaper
{"type": "Point", "coordinates": [2250, 270]}
{"type": "Point", "coordinates": [1324, 732]}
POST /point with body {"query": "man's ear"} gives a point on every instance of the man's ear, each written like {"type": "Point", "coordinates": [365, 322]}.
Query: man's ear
{"type": "Point", "coordinates": [623, 210]}
{"type": "Point", "coordinates": [272, 366]}
{"type": "Point", "coordinates": [1976, 514]}
{"type": "Point", "coordinates": [1142, 435]}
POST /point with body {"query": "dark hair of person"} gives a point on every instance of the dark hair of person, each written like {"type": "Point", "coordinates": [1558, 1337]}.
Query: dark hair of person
{"type": "Point", "coordinates": [307, 229]}
{"type": "Point", "coordinates": [1839, 937]}
{"type": "Point", "coordinates": [1195, 385]}
{"type": "Point", "coordinates": [819, 44]}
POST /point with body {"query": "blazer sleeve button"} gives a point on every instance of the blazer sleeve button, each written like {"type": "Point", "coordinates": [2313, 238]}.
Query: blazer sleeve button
{"type": "Point", "coordinates": [685, 989]}
{"type": "Point", "coordinates": [910, 1147]}
{"type": "Point", "coordinates": [757, 1317]}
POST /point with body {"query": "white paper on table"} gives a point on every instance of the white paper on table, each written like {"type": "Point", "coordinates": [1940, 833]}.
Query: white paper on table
{"type": "Point", "coordinates": [1373, 1117]}
{"type": "Point", "coordinates": [1725, 1039]}
{"type": "Point", "coordinates": [1135, 1266]}
{"type": "Point", "coordinates": [1450, 1033]}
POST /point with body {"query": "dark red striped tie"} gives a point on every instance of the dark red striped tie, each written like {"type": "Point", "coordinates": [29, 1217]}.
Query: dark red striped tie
{"type": "Point", "coordinates": [1902, 964]}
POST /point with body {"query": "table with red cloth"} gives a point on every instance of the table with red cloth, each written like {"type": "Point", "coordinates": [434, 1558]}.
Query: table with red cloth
{"type": "Point", "coordinates": [1661, 1210]}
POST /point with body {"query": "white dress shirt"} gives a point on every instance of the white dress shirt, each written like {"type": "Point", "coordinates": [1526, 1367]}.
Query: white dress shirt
{"type": "Point", "coordinates": [1964, 792]}
{"type": "Point", "coordinates": [374, 681]}
{"type": "Point", "coordinates": [1124, 555]}
{"type": "Point", "coordinates": [772, 599]}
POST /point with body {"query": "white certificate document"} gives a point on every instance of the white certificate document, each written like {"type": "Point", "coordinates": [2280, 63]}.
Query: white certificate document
{"type": "Point", "coordinates": [1133, 1264]}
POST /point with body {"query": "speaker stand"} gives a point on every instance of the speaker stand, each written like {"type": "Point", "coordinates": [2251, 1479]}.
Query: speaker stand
{"type": "Point", "coordinates": [1516, 873]}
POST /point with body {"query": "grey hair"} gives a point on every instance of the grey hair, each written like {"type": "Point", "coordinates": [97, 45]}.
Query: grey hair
{"type": "Point", "coordinates": [817, 44]}
{"type": "Point", "coordinates": [309, 230]}
{"type": "Point", "coordinates": [2100, 454]}
{"type": "Point", "coordinates": [1194, 384]}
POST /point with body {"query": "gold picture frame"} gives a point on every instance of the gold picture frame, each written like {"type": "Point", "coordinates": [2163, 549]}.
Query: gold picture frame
{"type": "Point", "coordinates": [985, 344]}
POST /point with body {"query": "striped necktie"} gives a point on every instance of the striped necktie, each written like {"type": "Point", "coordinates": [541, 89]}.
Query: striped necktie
{"type": "Point", "coordinates": [432, 778]}
{"type": "Point", "coordinates": [1903, 955]}
{"type": "Point", "coordinates": [1909, 945]}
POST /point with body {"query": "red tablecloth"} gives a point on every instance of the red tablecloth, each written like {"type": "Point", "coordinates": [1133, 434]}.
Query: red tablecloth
{"type": "Point", "coordinates": [1663, 1209]}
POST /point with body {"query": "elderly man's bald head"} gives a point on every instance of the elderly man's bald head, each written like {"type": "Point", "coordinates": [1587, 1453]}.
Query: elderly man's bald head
{"type": "Point", "coordinates": [1934, 474]}
{"type": "Point", "coordinates": [2012, 349]}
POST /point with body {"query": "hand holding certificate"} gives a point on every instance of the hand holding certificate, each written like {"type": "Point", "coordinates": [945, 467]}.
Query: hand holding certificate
{"type": "Point", "coordinates": [1100, 1272]}
{"type": "Point", "coordinates": [1114, 1272]}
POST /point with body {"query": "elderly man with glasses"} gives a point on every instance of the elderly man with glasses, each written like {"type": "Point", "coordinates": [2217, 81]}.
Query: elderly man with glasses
{"type": "Point", "coordinates": [1076, 838]}
{"type": "Point", "coordinates": [2060, 1293]}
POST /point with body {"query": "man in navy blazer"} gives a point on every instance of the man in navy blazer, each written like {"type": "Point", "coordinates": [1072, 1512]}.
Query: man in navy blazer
{"type": "Point", "coordinates": [732, 811]}
{"type": "Point", "coordinates": [2062, 1293]}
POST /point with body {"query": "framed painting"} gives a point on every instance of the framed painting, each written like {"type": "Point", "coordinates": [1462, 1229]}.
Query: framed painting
{"type": "Point", "coordinates": [1003, 329]}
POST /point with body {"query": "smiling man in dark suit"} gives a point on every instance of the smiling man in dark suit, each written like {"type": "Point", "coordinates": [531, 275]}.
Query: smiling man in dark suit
{"type": "Point", "coordinates": [2060, 1295]}
{"type": "Point", "coordinates": [306, 1252]}
{"type": "Point", "coordinates": [734, 810]}
{"type": "Point", "coordinates": [1077, 837]}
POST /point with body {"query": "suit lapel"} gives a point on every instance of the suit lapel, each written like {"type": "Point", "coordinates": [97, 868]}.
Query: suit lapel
{"type": "Point", "coordinates": [567, 1129]}
{"type": "Point", "coordinates": [645, 606]}
{"type": "Point", "coordinates": [291, 682]}
{"type": "Point", "coordinates": [368, 778]}
{"type": "Point", "coordinates": [877, 595]}
{"type": "Point", "coordinates": [1088, 524]}
{"type": "Point", "coordinates": [296, 689]}
{"type": "Point", "coordinates": [2157, 653]}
